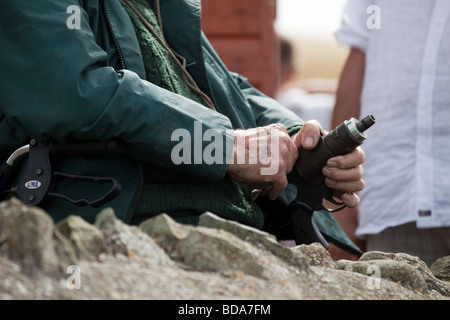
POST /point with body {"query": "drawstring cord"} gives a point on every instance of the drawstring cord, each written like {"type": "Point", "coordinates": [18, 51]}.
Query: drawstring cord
{"type": "Point", "coordinates": [179, 60]}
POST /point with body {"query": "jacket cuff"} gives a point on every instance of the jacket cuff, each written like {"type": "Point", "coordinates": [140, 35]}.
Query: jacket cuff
{"type": "Point", "coordinates": [294, 129]}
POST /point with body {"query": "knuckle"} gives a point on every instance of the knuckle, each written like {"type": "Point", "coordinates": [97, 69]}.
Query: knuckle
{"type": "Point", "coordinates": [281, 127]}
{"type": "Point", "coordinates": [334, 174]}
{"type": "Point", "coordinates": [361, 154]}
{"type": "Point", "coordinates": [357, 186]}
{"type": "Point", "coordinates": [282, 180]}
{"type": "Point", "coordinates": [267, 179]}
{"type": "Point", "coordinates": [284, 138]}
{"type": "Point", "coordinates": [284, 184]}
{"type": "Point", "coordinates": [283, 167]}
{"type": "Point", "coordinates": [362, 184]}
{"type": "Point", "coordinates": [312, 126]}
{"type": "Point", "coordinates": [288, 169]}
{"type": "Point", "coordinates": [312, 123]}
{"type": "Point", "coordinates": [360, 172]}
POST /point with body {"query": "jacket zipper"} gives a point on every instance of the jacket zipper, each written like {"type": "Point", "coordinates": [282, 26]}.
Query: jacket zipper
{"type": "Point", "coordinates": [120, 56]}
{"type": "Point", "coordinates": [138, 195]}
{"type": "Point", "coordinates": [122, 65]}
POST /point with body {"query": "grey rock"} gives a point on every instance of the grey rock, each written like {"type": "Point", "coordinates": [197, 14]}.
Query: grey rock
{"type": "Point", "coordinates": [213, 249]}
{"type": "Point", "coordinates": [395, 271]}
{"type": "Point", "coordinates": [315, 255]}
{"type": "Point", "coordinates": [441, 268]}
{"type": "Point", "coordinates": [162, 259]}
{"type": "Point", "coordinates": [263, 240]}
{"type": "Point", "coordinates": [26, 237]}
{"type": "Point", "coordinates": [433, 282]}
{"type": "Point", "coordinates": [128, 240]}
{"type": "Point", "coordinates": [210, 220]}
{"type": "Point", "coordinates": [87, 241]}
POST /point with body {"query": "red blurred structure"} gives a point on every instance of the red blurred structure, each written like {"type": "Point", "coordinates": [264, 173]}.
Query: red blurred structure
{"type": "Point", "coordinates": [243, 33]}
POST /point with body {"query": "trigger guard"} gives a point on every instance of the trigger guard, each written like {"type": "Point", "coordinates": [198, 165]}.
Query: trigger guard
{"type": "Point", "coordinates": [329, 197]}
{"type": "Point", "coordinates": [333, 210]}
{"type": "Point", "coordinates": [336, 202]}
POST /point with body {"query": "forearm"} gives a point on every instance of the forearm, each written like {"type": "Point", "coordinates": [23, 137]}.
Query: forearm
{"type": "Point", "coordinates": [348, 97]}
{"type": "Point", "coordinates": [63, 89]}
{"type": "Point", "coordinates": [348, 105]}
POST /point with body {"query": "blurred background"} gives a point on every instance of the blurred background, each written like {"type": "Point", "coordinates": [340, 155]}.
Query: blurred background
{"type": "Point", "coordinates": [310, 24]}
{"type": "Point", "coordinates": [246, 34]}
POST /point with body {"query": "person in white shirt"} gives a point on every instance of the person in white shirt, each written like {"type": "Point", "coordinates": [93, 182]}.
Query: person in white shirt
{"type": "Point", "coordinates": [398, 70]}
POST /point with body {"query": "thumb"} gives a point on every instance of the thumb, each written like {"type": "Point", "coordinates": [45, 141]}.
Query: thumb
{"type": "Point", "coordinates": [309, 134]}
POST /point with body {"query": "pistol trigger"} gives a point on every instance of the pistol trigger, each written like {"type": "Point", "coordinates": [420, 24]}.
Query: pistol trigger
{"type": "Point", "coordinates": [329, 197]}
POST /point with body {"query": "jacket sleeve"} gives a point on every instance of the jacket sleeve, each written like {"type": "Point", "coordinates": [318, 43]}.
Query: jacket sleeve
{"type": "Point", "coordinates": [267, 110]}
{"type": "Point", "coordinates": [56, 85]}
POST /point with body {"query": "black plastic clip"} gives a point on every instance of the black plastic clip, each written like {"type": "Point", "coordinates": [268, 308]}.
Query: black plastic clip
{"type": "Point", "coordinates": [40, 180]}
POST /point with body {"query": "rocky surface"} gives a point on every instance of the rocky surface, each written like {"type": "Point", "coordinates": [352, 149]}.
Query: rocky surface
{"type": "Point", "coordinates": [217, 260]}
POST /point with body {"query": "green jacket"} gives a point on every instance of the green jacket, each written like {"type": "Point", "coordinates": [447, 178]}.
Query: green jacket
{"type": "Point", "coordinates": [64, 84]}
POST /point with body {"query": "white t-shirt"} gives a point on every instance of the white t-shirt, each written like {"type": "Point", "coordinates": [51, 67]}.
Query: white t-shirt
{"type": "Point", "coordinates": [407, 89]}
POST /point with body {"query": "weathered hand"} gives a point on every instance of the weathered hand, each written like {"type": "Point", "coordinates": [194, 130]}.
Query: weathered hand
{"type": "Point", "coordinates": [262, 157]}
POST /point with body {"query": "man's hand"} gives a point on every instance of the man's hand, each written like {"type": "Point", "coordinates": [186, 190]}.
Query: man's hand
{"type": "Point", "coordinates": [262, 157]}
{"type": "Point", "coordinates": [344, 173]}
